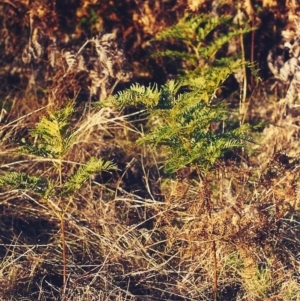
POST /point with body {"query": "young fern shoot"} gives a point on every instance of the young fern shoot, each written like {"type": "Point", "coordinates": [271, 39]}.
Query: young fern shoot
{"type": "Point", "coordinates": [53, 139]}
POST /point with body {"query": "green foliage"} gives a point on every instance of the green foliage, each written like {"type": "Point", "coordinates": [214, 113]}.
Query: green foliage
{"type": "Point", "coordinates": [53, 138]}
{"type": "Point", "coordinates": [82, 174]}
{"type": "Point", "coordinates": [210, 78]}
{"type": "Point", "coordinates": [191, 29]}
{"type": "Point", "coordinates": [90, 21]}
{"type": "Point", "coordinates": [138, 95]}
{"type": "Point", "coordinates": [53, 135]}
{"type": "Point", "coordinates": [23, 181]}
{"type": "Point", "coordinates": [192, 128]}
{"type": "Point", "coordinates": [188, 119]}
{"type": "Point", "coordinates": [193, 32]}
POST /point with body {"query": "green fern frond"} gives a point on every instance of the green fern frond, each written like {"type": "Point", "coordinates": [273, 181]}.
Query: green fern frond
{"type": "Point", "coordinates": [184, 106]}
{"type": "Point", "coordinates": [188, 136]}
{"type": "Point", "coordinates": [52, 133]}
{"type": "Point", "coordinates": [137, 95]}
{"type": "Point", "coordinates": [203, 153]}
{"type": "Point", "coordinates": [192, 31]}
{"type": "Point", "coordinates": [173, 86]}
{"type": "Point", "coordinates": [92, 167]}
{"type": "Point", "coordinates": [22, 181]}
{"type": "Point", "coordinates": [168, 95]}
{"type": "Point", "coordinates": [215, 74]}
{"type": "Point", "coordinates": [192, 28]}
{"type": "Point", "coordinates": [150, 97]}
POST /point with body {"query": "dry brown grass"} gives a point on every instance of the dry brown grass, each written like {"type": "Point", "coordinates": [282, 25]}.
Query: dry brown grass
{"type": "Point", "coordinates": [136, 234]}
{"type": "Point", "coordinates": [236, 232]}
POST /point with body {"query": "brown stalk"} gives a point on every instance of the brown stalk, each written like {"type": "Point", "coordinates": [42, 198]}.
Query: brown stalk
{"type": "Point", "coordinates": [64, 255]}
{"type": "Point", "coordinates": [214, 249]}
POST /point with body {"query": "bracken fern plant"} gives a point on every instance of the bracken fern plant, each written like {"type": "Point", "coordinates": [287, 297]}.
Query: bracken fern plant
{"type": "Point", "coordinates": [186, 126]}
{"type": "Point", "coordinates": [51, 140]}
{"type": "Point", "coordinates": [190, 126]}
{"type": "Point", "coordinates": [186, 129]}
{"type": "Point", "coordinates": [210, 45]}
{"type": "Point", "coordinates": [202, 40]}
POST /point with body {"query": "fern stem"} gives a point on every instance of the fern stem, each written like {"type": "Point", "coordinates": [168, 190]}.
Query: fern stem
{"type": "Point", "coordinates": [63, 238]}
{"type": "Point", "coordinates": [64, 255]}
{"type": "Point", "coordinates": [252, 48]}
{"type": "Point", "coordinates": [214, 249]}
{"type": "Point", "coordinates": [243, 100]}
{"type": "Point", "coordinates": [207, 197]}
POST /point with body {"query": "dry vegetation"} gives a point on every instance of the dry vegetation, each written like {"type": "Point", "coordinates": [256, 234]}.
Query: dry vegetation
{"type": "Point", "coordinates": [136, 233]}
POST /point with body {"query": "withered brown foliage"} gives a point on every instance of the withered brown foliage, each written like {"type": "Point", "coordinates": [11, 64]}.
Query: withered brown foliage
{"type": "Point", "coordinates": [136, 234]}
